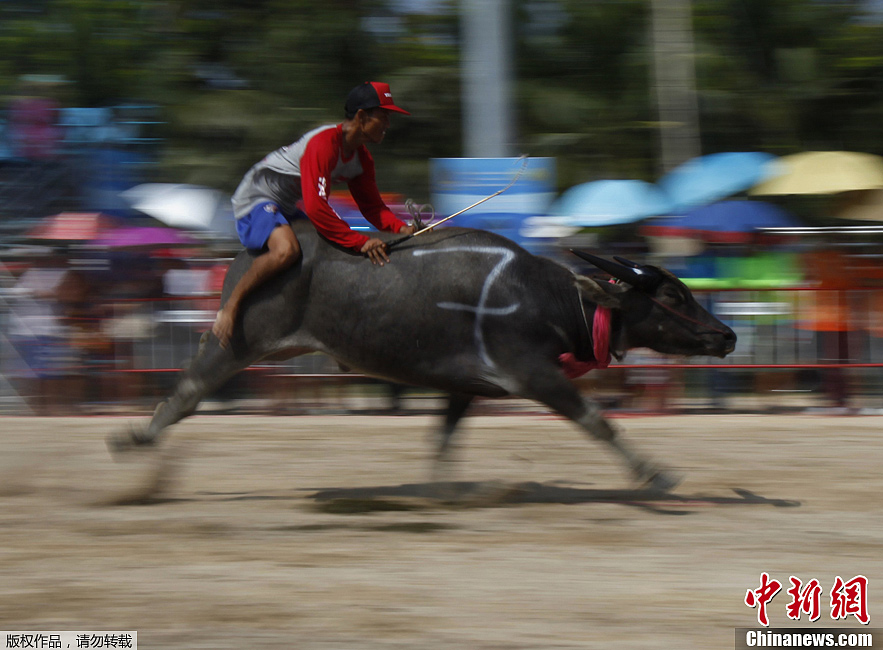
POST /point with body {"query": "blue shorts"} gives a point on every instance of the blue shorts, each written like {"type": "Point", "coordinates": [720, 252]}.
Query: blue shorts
{"type": "Point", "coordinates": [254, 228]}
{"type": "Point", "coordinates": [46, 357]}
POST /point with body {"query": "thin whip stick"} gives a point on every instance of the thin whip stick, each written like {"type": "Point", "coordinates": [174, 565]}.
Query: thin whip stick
{"type": "Point", "coordinates": [523, 158]}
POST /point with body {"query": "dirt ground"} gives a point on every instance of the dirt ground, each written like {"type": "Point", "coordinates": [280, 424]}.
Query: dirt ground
{"type": "Point", "coordinates": [327, 532]}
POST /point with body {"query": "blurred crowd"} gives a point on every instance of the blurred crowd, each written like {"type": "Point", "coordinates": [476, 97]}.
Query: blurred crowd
{"type": "Point", "coordinates": [86, 330]}
{"type": "Point", "coordinates": [98, 330]}
{"type": "Point", "coordinates": [101, 320]}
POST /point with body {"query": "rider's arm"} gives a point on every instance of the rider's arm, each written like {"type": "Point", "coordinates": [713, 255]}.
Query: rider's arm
{"type": "Point", "coordinates": [316, 166]}
{"type": "Point", "coordinates": [364, 190]}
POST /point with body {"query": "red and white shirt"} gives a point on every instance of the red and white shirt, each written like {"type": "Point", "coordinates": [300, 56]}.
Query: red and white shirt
{"type": "Point", "coordinates": [300, 175]}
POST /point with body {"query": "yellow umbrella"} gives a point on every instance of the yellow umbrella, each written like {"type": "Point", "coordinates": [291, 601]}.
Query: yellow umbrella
{"type": "Point", "coordinates": [824, 172]}
{"type": "Point", "coordinates": [868, 206]}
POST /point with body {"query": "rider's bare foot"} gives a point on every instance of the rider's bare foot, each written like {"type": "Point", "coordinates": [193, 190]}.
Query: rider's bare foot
{"type": "Point", "coordinates": [223, 327]}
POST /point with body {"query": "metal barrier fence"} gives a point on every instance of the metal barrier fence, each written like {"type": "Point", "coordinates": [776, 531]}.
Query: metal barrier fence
{"type": "Point", "coordinates": [817, 342]}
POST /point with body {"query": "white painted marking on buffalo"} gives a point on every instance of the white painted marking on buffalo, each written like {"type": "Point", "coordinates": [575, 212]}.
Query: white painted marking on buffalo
{"type": "Point", "coordinates": [481, 309]}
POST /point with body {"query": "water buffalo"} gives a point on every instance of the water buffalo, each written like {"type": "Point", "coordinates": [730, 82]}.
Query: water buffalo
{"type": "Point", "coordinates": [463, 311]}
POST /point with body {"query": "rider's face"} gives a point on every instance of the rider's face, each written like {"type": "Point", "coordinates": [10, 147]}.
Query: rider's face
{"type": "Point", "coordinates": [375, 123]}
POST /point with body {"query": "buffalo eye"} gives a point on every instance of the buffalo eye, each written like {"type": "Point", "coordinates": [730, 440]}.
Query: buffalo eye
{"type": "Point", "coordinates": [671, 293]}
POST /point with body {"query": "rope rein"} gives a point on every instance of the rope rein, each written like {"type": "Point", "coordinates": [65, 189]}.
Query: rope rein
{"type": "Point", "coordinates": [674, 311]}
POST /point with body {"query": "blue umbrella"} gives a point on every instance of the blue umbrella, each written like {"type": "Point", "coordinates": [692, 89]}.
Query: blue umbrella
{"type": "Point", "coordinates": [708, 178]}
{"type": "Point", "coordinates": [607, 203]}
{"type": "Point", "coordinates": [727, 221]}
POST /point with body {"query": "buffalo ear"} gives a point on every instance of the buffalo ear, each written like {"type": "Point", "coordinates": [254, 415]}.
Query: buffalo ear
{"type": "Point", "coordinates": [604, 294]}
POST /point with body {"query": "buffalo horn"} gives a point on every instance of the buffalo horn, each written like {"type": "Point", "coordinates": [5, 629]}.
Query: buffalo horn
{"type": "Point", "coordinates": [635, 276]}
{"type": "Point", "coordinates": [625, 262]}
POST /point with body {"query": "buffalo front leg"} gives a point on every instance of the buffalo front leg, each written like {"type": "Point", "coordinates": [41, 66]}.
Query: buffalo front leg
{"type": "Point", "coordinates": [458, 404]}
{"type": "Point", "coordinates": [554, 390]}
{"type": "Point", "coordinates": [212, 366]}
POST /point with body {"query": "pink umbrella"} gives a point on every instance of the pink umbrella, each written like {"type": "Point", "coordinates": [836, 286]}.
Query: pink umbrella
{"type": "Point", "coordinates": [144, 237]}
{"type": "Point", "coordinates": [73, 226]}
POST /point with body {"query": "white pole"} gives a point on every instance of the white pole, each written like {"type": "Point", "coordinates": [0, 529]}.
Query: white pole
{"type": "Point", "coordinates": [486, 71]}
{"type": "Point", "coordinates": [675, 81]}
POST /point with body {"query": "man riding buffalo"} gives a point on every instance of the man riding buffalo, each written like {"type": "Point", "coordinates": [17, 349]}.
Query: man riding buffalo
{"type": "Point", "coordinates": [489, 319]}
{"type": "Point", "coordinates": [294, 182]}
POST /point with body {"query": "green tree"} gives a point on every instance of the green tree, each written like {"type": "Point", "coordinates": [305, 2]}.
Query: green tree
{"type": "Point", "coordinates": [237, 78]}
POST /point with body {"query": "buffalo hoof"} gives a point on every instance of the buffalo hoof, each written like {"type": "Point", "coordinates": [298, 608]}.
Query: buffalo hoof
{"type": "Point", "coordinates": [126, 440]}
{"type": "Point", "coordinates": [663, 481]}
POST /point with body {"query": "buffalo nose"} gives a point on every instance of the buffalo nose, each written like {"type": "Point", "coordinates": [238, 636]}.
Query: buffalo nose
{"type": "Point", "coordinates": [730, 340]}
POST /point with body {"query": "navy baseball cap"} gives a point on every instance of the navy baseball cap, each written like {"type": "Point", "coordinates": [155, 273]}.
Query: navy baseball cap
{"type": "Point", "coordinates": [371, 94]}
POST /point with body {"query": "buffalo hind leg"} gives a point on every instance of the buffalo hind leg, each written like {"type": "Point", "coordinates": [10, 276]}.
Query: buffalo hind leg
{"type": "Point", "coordinates": [554, 390]}
{"type": "Point", "coordinates": [212, 366]}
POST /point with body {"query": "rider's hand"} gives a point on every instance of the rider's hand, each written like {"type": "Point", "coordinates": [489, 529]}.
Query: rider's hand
{"type": "Point", "coordinates": [223, 326]}
{"type": "Point", "coordinates": [407, 230]}
{"type": "Point", "coordinates": [375, 249]}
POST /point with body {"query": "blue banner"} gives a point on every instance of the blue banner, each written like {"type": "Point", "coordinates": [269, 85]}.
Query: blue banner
{"type": "Point", "coordinates": [457, 183]}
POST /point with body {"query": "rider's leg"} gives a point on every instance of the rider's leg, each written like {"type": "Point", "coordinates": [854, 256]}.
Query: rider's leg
{"type": "Point", "coordinates": [284, 250]}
